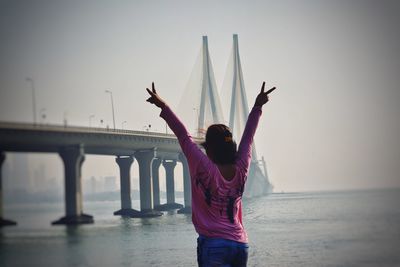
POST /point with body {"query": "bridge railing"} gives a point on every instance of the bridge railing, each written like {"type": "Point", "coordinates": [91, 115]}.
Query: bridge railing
{"type": "Point", "coordinates": [82, 129]}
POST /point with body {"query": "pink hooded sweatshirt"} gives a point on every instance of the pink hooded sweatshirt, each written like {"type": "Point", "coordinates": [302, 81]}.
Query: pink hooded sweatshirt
{"type": "Point", "coordinates": [216, 202]}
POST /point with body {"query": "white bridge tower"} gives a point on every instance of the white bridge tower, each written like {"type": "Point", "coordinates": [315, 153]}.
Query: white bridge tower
{"type": "Point", "coordinates": [203, 91]}
{"type": "Point", "coordinates": [257, 182]}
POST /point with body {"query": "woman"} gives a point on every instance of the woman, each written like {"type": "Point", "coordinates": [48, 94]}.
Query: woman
{"type": "Point", "coordinates": [218, 181]}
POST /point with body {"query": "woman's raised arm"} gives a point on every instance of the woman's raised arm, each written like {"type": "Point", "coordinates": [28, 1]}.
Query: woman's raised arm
{"type": "Point", "coordinates": [244, 151]}
{"type": "Point", "coordinates": [192, 152]}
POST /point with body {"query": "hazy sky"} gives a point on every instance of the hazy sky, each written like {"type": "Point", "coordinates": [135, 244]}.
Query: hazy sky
{"type": "Point", "coordinates": [332, 124]}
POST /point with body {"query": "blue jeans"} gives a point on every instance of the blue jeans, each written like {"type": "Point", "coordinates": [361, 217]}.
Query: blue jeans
{"type": "Point", "coordinates": [221, 252]}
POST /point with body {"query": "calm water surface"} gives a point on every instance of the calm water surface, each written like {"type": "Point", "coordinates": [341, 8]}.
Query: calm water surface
{"type": "Point", "coordinates": [296, 229]}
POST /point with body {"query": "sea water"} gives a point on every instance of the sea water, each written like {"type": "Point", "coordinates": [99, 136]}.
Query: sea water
{"type": "Point", "coordinates": [353, 228]}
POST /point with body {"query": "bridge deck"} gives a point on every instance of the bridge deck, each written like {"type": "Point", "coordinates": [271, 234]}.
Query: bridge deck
{"type": "Point", "coordinates": [26, 137]}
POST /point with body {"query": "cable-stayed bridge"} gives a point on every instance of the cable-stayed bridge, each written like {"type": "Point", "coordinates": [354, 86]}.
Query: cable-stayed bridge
{"type": "Point", "coordinates": [151, 150]}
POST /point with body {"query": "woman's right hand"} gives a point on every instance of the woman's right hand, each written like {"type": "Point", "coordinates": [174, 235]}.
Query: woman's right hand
{"type": "Point", "coordinates": [262, 97]}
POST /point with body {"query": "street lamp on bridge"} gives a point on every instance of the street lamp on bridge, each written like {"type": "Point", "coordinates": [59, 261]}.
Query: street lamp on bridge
{"type": "Point", "coordinates": [147, 127]}
{"type": "Point", "coordinates": [90, 120]}
{"type": "Point", "coordinates": [30, 80]}
{"type": "Point", "coordinates": [122, 125]}
{"type": "Point", "coordinates": [42, 113]}
{"type": "Point", "coordinates": [112, 106]}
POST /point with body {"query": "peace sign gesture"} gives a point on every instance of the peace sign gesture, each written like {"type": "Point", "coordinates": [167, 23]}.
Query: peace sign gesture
{"type": "Point", "coordinates": [154, 97]}
{"type": "Point", "coordinates": [262, 97]}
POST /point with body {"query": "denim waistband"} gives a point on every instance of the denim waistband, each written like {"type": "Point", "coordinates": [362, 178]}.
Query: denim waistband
{"type": "Point", "coordinates": [216, 241]}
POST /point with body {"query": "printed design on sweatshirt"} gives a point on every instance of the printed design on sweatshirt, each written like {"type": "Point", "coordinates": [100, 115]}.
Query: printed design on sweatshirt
{"type": "Point", "coordinates": [224, 203]}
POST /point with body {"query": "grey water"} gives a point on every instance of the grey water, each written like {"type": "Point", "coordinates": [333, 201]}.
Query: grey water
{"type": "Point", "coordinates": [353, 228]}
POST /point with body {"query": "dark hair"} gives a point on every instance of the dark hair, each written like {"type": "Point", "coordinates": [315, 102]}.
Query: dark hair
{"type": "Point", "coordinates": [220, 144]}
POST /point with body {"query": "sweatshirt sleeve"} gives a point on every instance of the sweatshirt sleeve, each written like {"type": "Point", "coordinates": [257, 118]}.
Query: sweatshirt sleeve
{"type": "Point", "coordinates": [245, 146]}
{"type": "Point", "coordinates": [193, 153]}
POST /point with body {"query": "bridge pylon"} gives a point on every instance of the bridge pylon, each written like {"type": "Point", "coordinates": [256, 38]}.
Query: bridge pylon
{"type": "Point", "coordinates": [3, 222]}
{"type": "Point", "coordinates": [125, 164]}
{"type": "Point", "coordinates": [73, 157]}
{"type": "Point", "coordinates": [257, 181]}
{"type": "Point", "coordinates": [210, 110]}
{"type": "Point", "coordinates": [202, 89]}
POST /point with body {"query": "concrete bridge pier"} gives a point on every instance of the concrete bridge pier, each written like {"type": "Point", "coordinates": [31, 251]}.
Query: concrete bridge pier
{"type": "Point", "coordinates": [156, 182]}
{"type": "Point", "coordinates": [3, 222]}
{"type": "Point", "coordinates": [187, 189]}
{"type": "Point", "coordinates": [169, 166]}
{"type": "Point", "coordinates": [73, 157]}
{"type": "Point", "coordinates": [145, 159]}
{"type": "Point", "coordinates": [125, 164]}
